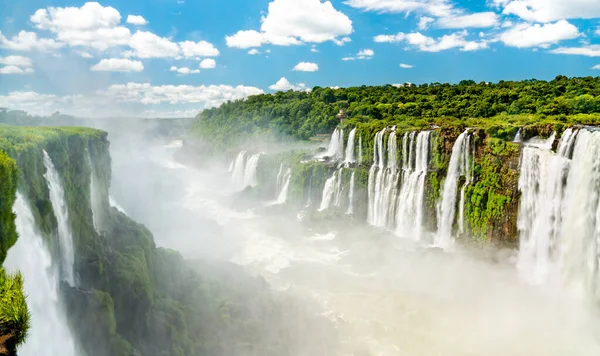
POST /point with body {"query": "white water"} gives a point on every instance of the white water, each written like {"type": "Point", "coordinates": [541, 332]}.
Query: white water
{"type": "Point", "coordinates": [458, 166]}
{"type": "Point", "coordinates": [410, 201]}
{"type": "Point", "coordinates": [468, 161]}
{"type": "Point", "coordinates": [279, 183]}
{"type": "Point", "coordinates": [98, 217]}
{"type": "Point", "coordinates": [282, 197]}
{"type": "Point", "coordinates": [116, 205]}
{"type": "Point", "coordinates": [239, 168]}
{"type": "Point", "coordinates": [518, 138]}
{"type": "Point", "coordinates": [351, 196]}
{"type": "Point", "coordinates": [336, 145]}
{"type": "Point", "coordinates": [328, 192]}
{"type": "Point", "coordinates": [49, 334]}
{"type": "Point", "coordinates": [360, 150]}
{"type": "Point", "coordinates": [350, 158]}
{"type": "Point", "coordinates": [65, 237]}
{"type": "Point", "coordinates": [337, 195]}
{"type": "Point", "coordinates": [250, 178]}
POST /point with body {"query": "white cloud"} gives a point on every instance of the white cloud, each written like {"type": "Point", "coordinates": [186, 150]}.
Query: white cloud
{"type": "Point", "coordinates": [292, 22]}
{"type": "Point", "coordinates": [18, 61]}
{"type": "Point", "coordinates": [28, 41]}
{"type": "Point", "coordinates": [527, 35]}
{"type": "Point", "coordinates": [429, 44]}
{"type": "Point", "coordinates": [314, 50]}
{"type": "Point", "coordinates": [362, 54]}
{"type": "Point", "coordinates": [91, 25]}
{"type": "Point", "coordinates": [136, 20]}
{"type": "Point", "coordinates": [348, 59]}
{"type": "Point", "coordinates": [424, 22]}
{"type": "Point", "coordinates": [284, 85]}
{"type": "Point", "coordinates": [306, 67]}
{"type": "Point", "coordinates": [200, 48]}
{"type": "Point", "coordinates": [589, 51]}
{"type": "Point", "coordinates": [406, 66]}
{"type": "Point", "coordinates": [342, 41]}
{"type": "Point", "coordinates": [148, 45]}
{"type": "Point", "coordinates": [118, 65]}
{"type": "Point", "coordinates": [597, 67]}
{"type": "Point", "coordinates": [208, 63]}
{"type": "Point", "coordinates": [15, 70]}
{"type": "Point", "coordinates": [597, 32]}
{"type": "Point", "coordinates": [476, 20]}
{"type": "Point", "coordinates": [253, 51]}
{"type": "Point", "coordinates": [129, 100]}
{"type": "Point", "coordinates": [551, 10]}
{"type": "Point", "coordinates": [438, 8]}
{"type": "Point", "coordinates": [85, 54]}
{"type": "Point", "coordinates": [184, 70]}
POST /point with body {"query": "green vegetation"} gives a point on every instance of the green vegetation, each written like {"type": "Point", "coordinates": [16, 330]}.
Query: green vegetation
{"type": "Point", "coordinates": [14, 315]}
{"type": "Point", "coordinates": [302, 115]}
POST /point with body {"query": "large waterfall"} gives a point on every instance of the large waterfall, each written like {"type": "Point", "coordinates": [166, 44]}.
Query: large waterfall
{"type": "Point", "coordinates": [351, 195]}
{"type": "Point", "coordinates": [559, 216]}
{"type": "Point", "coordinates": [336, 145]}
{"type": "Point", "coordinates": [49, 333]}
{"type": "Point", "coordinates": [65, 237]}
{"type": "Point", "coordinates": [328, 192]}
{"type": "Point", "coordinates": [98, 217]}
{"type": "Point", "coordinates": [284, 186]}
{"type": "Point", "coordinates": [350, 158]}
{"type": "Point", "coordinates": [459, 166]}
{"type": "Point", "coordinates": [244, 170]}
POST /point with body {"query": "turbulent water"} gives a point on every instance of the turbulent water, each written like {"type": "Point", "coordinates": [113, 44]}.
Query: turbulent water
{"type": "Point", "coordinates": [392, 296]}
{"type": "Point", "coordinates": [285, 186]}
{"type": "Point", "coordinates": [336, 145]}
{"type": "Point", "coordinates": [350, 157]}
{"type": "Point", "coordinates": [59, 206]}
{"type": "Point", "coordinates": [244, 170]}
{"type": "Point", "coordinates": [49, 334]}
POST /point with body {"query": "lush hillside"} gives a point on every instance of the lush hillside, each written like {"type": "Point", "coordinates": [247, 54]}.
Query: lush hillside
{"type": "Point", "coordinates": [302, 115]}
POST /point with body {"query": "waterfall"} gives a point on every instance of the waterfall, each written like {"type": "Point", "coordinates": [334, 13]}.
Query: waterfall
{"type": "Point", "coordinates": [468, 161]}
{"type": "Point", "coordinates": [230, 167]}
{"type": "Point", "coordinates": [49, 333]}
{"type": "Point", "coordinates": [376, 176]}
{"type": "Point", "coordinates": [116, 205]}
{"type": "Point", "coordinates": [238, 169]}
{"type": "Point", "coordinates": [337, 195]}
{"type": "Point", "coordinates": [328, 192]}
{"type": "Point", "coordinates": [518, 138]}
{"type": "Point", "coordinates": [360, 150]}
{"type": "Point", "coordinates": [336, 145]}
{"type": "Point", "coordinates": [459, 166]}
{"type": "Point", "coordinates": [65, 238]}
{"type": "Point", "coordinates": [282, 197]}
{"type": "Point", "coordinates": [350, 147]}
{"type": "Point", "coordinates": [250, 178]}
{"type": "Point", "coordinates": [95, 199]}
{"type": "Point", "coordinates": [279, 181]}
{"type": "Point", "coordinates": [351, 196]}
{"type": "Point", "coordinates": [409, 217]}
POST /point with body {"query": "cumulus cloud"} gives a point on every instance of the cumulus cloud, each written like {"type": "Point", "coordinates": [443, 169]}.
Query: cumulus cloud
{"type": "Point", "coordinates": [438, 8]}
{"type": "Point", "coordinates": [430, 44]}
{"type": "Point", "coordinates": [136, 20]}
{"type": "Point", "coordinates": [253, 51]}
{"type": "Point", "coordinates": [18, 61]}
{"type": "Point", "coordinates": [306, 67]}
{"type": "Point", "coordinates": [535, 35]}
{"type": "Point", "coordinates": [589, 51]}
{"type": "Point", "coordinates": [597, 67]}
{"type": "Point", "coordinates": [15, 70]}
{"type": "Point", "coordinates": [342, 41]}
{"type": "Point", "coordinates": [85, 54]}
{"type": "Point", "coordinates": [476, 20]}
{"type": "Point", "coordinates": [148, 45]}
{"type": "Point", "coordinates": [284, 85]}
{"type": "Point", "coordinates": [550, 10]}
{"type": "Point", "coordinates": [200, 48]}
{"type": "Point", "coordinates": [184, 70]}
{"type": "Point", "coordinates": [208, 63]}
{"type": "Point", "coordinates": [406, 66]}
{"type": "Point", "coordinates": [118, 65]}
{"type": "Point", "coordinates": [28, 41]}
{"type": "Point", "coordinates": [293, 22]}
{"type": "Point", "coordinates": [91, 25]}
{"type": "Point", "coordinates": [362, 54]}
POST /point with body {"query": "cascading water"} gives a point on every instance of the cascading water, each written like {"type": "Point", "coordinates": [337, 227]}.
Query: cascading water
{"type": "Point", "coordinates": [279, 180]}
{"type": "Point", "coordinates": [467, 168]}
{"type": "Point", "coordinates": [116, 205]}
{"type": "Point", "coordinates": [238, 169]}
{"type": "Point", "coordinates": [98, 217]}
{"type": "Point", "coordinates": [282, 197]}
{"type": "Point", "coordinates": [360, 150]}
{"type": "Point", "coordinates": [49, 333]}
{"type": "Point", "coordinates": [336, 145]}
{"type": "Point", "coordinates": [409, 216]}
{"type": "Point", "coordinates": [337, 195]}
{"type": "Point", "coordinates": [350, 147]}
{"type": "Point", "coordinates": [459, 166]}
{"type": "Point", "coordinates": [377, 214]}
{"type": "Point", "coordinates": [328, 192]}
{"type": "Point", "coordinates": [65, 238]}
{"type": "Point", "coordinates": [250, 178]}
{"type": "Point", "coordinates": [351, 196]}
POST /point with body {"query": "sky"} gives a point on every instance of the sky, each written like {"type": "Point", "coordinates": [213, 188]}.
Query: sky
{"type": "Point", "coordinates": [173, 58]}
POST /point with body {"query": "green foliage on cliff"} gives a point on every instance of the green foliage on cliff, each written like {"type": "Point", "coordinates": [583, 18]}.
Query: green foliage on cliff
{"type": "Point", "coordinates": [8, 190]}
{"type": "Point", "coordinates": [14, 315]}
{"type": "Point", "coordinates": [302, 115]}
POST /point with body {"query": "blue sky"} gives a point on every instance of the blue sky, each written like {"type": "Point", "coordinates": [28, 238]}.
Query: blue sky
{"type": "Point", "coordinates": [174, 57]}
